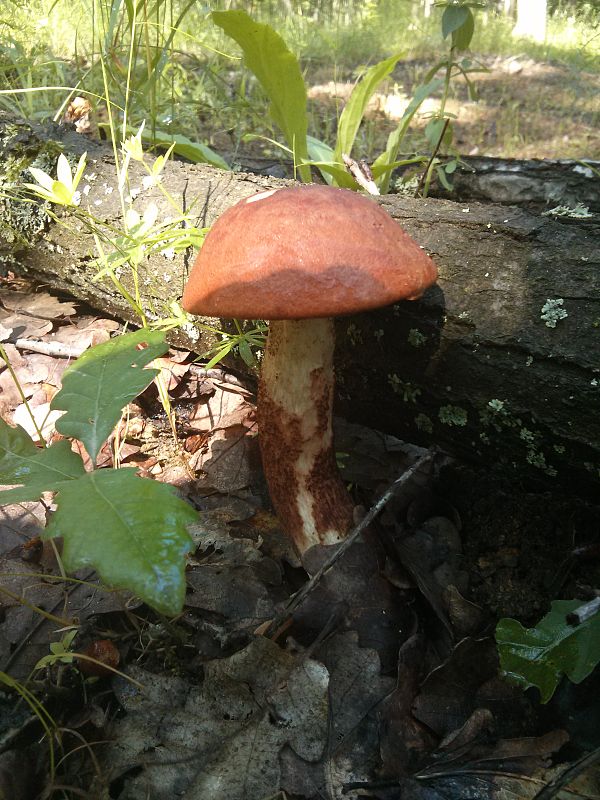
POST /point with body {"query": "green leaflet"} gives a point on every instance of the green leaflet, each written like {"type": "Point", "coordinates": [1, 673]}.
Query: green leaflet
{"type": "Point", "coordinates": [540, 656]}
{"type": "Point", "coordinates": [101, 382]}
{"type": "Point", "coordinates": [130, 530]}
{"type": "Point", "coordinates": [35, 469]}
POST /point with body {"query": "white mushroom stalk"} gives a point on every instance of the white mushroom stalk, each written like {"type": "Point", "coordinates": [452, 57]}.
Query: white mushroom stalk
{"type": "Point", "coordinates": [294, 410]}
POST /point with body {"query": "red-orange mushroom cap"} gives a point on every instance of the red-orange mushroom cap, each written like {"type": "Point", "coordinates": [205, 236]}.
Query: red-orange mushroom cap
{"type": "Point", "coordinates": [304, 252]}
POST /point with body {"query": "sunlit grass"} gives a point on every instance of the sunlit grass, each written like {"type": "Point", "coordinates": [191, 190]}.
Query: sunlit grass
{"type": "Point", "coordinates": [200, 92]}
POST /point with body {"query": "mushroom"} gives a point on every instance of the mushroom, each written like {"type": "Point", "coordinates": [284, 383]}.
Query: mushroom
{"type": "Point", "coordinates": [298, 257]}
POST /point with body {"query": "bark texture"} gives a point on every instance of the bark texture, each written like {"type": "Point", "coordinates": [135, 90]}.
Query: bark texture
{"type": "Point", "coordinates": [474, 366]}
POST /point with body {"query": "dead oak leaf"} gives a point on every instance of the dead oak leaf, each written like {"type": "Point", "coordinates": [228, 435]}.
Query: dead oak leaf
{"type": "Point", "coordinates": [226, 734]}
{"type": "Point", "coordinates": [40, 304]}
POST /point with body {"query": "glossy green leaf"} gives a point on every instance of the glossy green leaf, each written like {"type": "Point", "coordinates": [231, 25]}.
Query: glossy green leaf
{"type": "Point", "coordinates": [131, 530]}
{"type": "Point", "coordinates": [102, 382]}
{"type": "Point", "coordinates": [278, 71]}
{"type": "Point", "coordinates": [32, 469]}
{"type": "Point", "coordinates": [540, 656]}
{"type": "Point", "coordinates": [453, 17]}
{"type": "Point", "coordinates": [354, 109]}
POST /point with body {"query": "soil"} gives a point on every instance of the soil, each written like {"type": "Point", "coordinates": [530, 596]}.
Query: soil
{"type": "Point", "coordinates": [523, 548]}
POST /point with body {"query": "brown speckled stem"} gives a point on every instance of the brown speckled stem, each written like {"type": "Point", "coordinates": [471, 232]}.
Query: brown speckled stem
{"type": "Point", "coordinates": [295, 400]}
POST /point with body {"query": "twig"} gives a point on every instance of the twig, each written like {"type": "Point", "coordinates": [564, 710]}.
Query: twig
{"type": "Point", "coordinates": [312, 583]}
{"type": "Point", "coordinates": [361, 172]}
{"type": "Point", "coordinates": [551, 789]}
{"type": "Point", "coordinates": [584, 612]}
{"type": "Point", "coordinates": [57, 349]}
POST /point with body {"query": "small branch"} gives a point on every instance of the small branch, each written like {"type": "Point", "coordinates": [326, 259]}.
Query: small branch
{"type": "Point", "coordinates": [361, 172]}
{"type": "Point", "coordinates": [551, 789]}
{"type": "Point", "coordinates": [56, 349]}
{"type": "Point", "coordinates": [584, 612]}
{"type": "Point", "coordinates": [313, 582]}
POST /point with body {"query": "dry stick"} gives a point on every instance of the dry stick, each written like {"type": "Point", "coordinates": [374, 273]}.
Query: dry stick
{"type": "Point", "coordinates": [56, 349]}
{"type": "Point", "coordinates": [584, 612]}
{"type": "Point", "coordinates": [361, 172]}
{"type": "Point", "coordinates": [311, 584]}
{"type": "Point", "coordinates": [552, 789]}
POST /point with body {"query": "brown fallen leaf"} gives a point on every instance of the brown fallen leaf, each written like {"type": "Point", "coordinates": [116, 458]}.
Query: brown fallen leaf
{"type": "Point", "coordinates": [229, 462]}
{"type": "Point", "coordinates": [38, 304]}
{"type": "Point", "coordinates": [224, 408]}
{"type": "Point", "coordinates": [220, 739]}
{"type": "Point", "coordinates": [23, 326]}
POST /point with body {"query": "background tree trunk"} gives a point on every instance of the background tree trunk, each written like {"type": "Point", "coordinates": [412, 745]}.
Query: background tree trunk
{"type": "Point", "coordinates": [474, 366]}
{"type": "Point", "coordinates": [531, 19]}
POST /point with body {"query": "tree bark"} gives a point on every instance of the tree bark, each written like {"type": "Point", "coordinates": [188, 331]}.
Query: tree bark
{"type": "Point", "coordinates": [537, 184]}
{"type": "Point", "coordinates": [474, 366]}
{"type": "Point", "coordinates": [531, 19]}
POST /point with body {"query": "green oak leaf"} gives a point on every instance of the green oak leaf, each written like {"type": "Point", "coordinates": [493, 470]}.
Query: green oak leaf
{"type": "Point", "coordinates": [32, 469]}
{"type": "Point", "coordinates": [540, 656]}
{"type": "Point", "coordinates": [131, 530]}
{"type": "Point", "coordinates": [102, 382]}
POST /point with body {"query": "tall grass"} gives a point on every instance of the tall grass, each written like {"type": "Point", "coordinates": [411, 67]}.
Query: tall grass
{"type": "Point", "coordinates": [164, 62]}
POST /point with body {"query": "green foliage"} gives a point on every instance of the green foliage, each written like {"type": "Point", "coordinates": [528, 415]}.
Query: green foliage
{"type": "Point", "coordinates": [354, 110]}
{"type": "Point", "coordinates": [101, 382]}
{"type": "Point", "coordinates": [279, 73]}
{"type": "Point", "coordinates": [35, 470]}
{"type": "Point", "coordinates": [197, 152]}
{"type": "Point", "coordinates": [130, 530]}
{"type": "Point", "coordinates": [277, 69]}
{"type": "Point", "coordinates": [540, 656]}
{"type": "Point", "coordinates": [396, 137]}
{"type": "Point", "coordinates": [458, 20]}
{"type": "Point", "coordinates": [60, 652]}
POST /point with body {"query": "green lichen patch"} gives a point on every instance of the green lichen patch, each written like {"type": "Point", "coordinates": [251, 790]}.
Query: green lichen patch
{"type": "Point", "coordinates": [453, 415]}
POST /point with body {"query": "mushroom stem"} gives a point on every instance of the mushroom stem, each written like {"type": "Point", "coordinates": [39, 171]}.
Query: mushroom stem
{"type": "Point", "coordinates": [295, 399]}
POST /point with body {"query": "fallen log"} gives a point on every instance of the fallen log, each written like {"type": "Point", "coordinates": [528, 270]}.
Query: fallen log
{"type": "Point", "coordinates": [536, 184]}
{"type": "Point", "coordinates": [500, 362]}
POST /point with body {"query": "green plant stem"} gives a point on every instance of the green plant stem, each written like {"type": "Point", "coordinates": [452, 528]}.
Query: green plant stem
{"type": "Point", "coordinates": [64, 623]}
{"type": "Point", "coordinates": [426, 176]}
{"type": "Point", "coordinates": [13, 375]}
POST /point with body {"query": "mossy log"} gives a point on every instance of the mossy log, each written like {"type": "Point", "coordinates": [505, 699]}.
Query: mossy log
{"type": "Point", "coordinates": [476, 366]}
